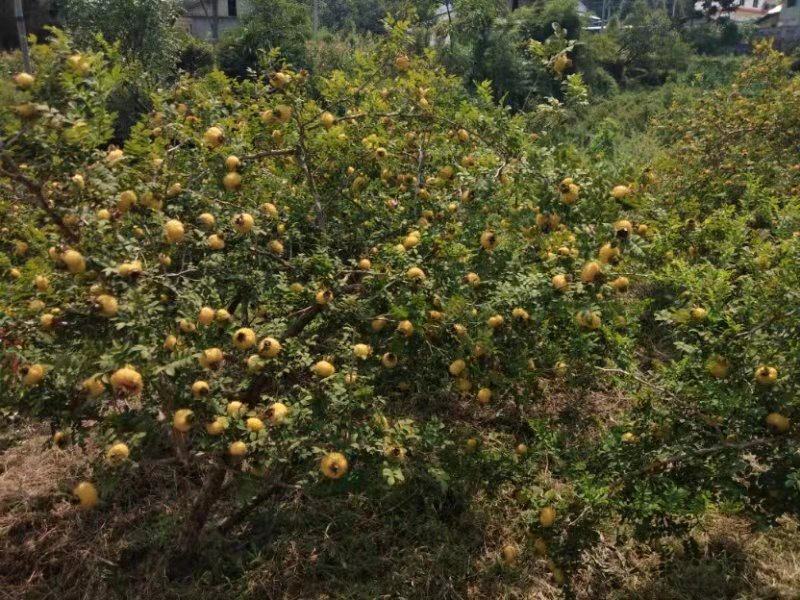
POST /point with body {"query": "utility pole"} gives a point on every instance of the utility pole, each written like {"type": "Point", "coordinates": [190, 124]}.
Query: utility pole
{"type": "Point", "coordinates": [215, 20]}
{"type": "Point", "coordinates": [23, 36]}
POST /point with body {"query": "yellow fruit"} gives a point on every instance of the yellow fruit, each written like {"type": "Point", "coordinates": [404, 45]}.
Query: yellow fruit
{"type": "Point", "coordinates": [186, 326]}
{"type": "Point", "coordinates": [130, 269]}
{"type": "Point", "coordinates": [222, 316]}
{"type": "Point", "coordinates": [471, 445]}
{"type": "Point", "coordinates": [623, 229]}
{"type": "Point", "coordinates": [114, 156]}
{"type": "Point", "coordinates": [15, 273]}
{"type": "Point", "coordinates": [217, 426]}
{"type": "Point", "coordinates": [235, 408]}
{"type": "Point", "coordinates": [32, 374]}
{"type": "Point", "coordinates": [620, 284]}
{"type": "Point", "coordinates": [127, 380]}
{"type": "Point", "coordinates": [561, 63]}
{"type": "Point", "coordinates": [389, 360]}
{"type": "Point", "coordinates": [472, 279]}
{"type": "Point", "coordinates": [87, 495]}
{"type": "Point", "coordinates": [117, 453]}
{"type": "Point", "coordinates": [362, 351]}
{"type": "Point", "coordinates": [495, 321]}
{"type": "Point", "coordinates": [778, 423]}
{"type": "Point", "coordinates": [547, 516]}
{"type": "Point", "coordinates": [323, 297]}
{"type": "Point", "coordinates": [47, 321]}
{"type": "Point", "coordinates": [457, 367]}
{"type": "Point", "coordinates": [270, 209]}
{"type": "Point", "coordinates": [405, 328]}
{"type": "Point", "coordinates": [365, 264]}
{"type": "Point", "coordinates": [173, 231]}
{"type": "Point", "coordinates": [620, 191]}
{"type": "Point", "coordinates": [569, 193]}
{"type": "Point", "coordinates": [521, 450]}
{"type": "Point", "coordinates": [560, 283]}
{"type": "Point", "coordinates": [333, 465]}
{"type": "Point", "coordinates": [126, 201]}
{"type": "Point", "coordinates": [182, 420]}
{"type": "Point", "coordinates": [215, 242]}
{"type": "Point", "coordinates": [323, 369]}
{"type": "Point", "coordinates": [277, 413]}
{"type": "Point", "coordinates": [510, 554]}
{"type": "Point", "coordinates": [200, 389]}
{"type": "Point", "coordinates": [275, 247]}
{"type": "Point", "coordinates": [174, 190]}
{"type": "Point", "coordinates": [766, 375]}
{"type": "Point", "coordinates": [280, 80]}
{"type": "Point", "coordinates": [103, 214]}
{"type": "Point", "coordinates": [213, 137]}
{"type": "Point", "coordinates": [93, 386]}
{"type": "Point", "coordinates": [488, 240]}
{"type": "Point", "coordinates": [254, 424]}
{"type": "Point", "coordinates": [282, 113]}
{"type": "Point", "coordinates": [232, 181]}
{"type": "Point", "coordinates": [377, 325]}
{"type": "Point", "coordinates": [24, 81]}
{"type": "Point", "coordinates": [243, 223]}
{"type": "Point", "coordinates": [107, 305]}
{"type": "Point", "coordinates": [520, 313]}
{"type": "Point", "coordinates": [206, 315]}
{"type": "Point", "coordinates": [211, 358]}
{"type": "Point", "coordinates": [588, 319]}
{"type": "Point", "coordinates": [207, 220]}
{"type": "Point", "coordinates": [698, 314]}
{"type": "Point", "coordinates": [463, 135]}
{"type": "Point", "coordinates": [41, 283]}
{"type": "Point", "coordinates": [232, 163]}
{"type": "Point", "coordinates": [327, 120]}
{"type": "Point", "coordinates": [628, 437]}
{"type": "Point", "coordinates": [591, 272]}
{"type": "Point", "coordinates": [237, 449]}
{"type": "Point", "coordinates": [74, 261]}
{"type": "Point", "coordinates": [269, 347]}
{"type": "Point", "coordinates": [244, 338]}
{"type": "Point", "coordinates": [718, 367]}
{"type": "Point", "coordinates": [484, 395]}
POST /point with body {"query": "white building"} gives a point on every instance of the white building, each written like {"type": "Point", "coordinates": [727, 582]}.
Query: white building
{"type": "Point", "coordinates": [204, 18]}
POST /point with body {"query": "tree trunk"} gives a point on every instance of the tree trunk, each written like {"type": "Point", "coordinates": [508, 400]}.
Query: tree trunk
{"type": "Point", "coordinates": [23, 36]}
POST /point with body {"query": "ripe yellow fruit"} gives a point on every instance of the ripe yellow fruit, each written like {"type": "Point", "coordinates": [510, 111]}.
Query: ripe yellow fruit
{"type": "Point", "coordinates": [32, 374]}
{"type": "Point", "coordinates": [415, 274]}
{"type": "Point", "coordinates": [280, 80]}
{"type": "Point", "coordinates": [275, 247]}
{"type": "Point", "coordinates": [15, 273]}
{"type": "Point", "coordinates": [521, 450]}
{"type": "Point", "coordinates": [560, 282]}
{"type": "Point", "coordinates": [24, 81]}
{"type": "Point", "coordinates": [766, 375]}
{"type": "Point", "coordinates": [222, 316]}
{"type": "Point", "coordinates": [93, 386]}
{"type": "Point", "coordinates": [362, 351]}
{"type": "Point", "coordinates": [463, 135]}
{"type": "Point", "coordinates": [569, 192]}
{"type": "Point", "coordinates": [130, 269]}
{"type": "Point", "coordinates": [117, 453]}
{"type": "Point", "coordinates": [471, 445]}
{"type": "Point", "coordinates": [207, 220]}
{"type": "Point", "coordinates": [217, 426]}
{"type": "Point", "coordinates": [389, 360]}
{"type": "Point", "coordinates": [243, 223]}
{"type": "Point", "coordinates": [698, 314]}
{"type": "Point", "coordinates": [182, 420]}
{"type": "Point", "coordinates": [547, 516]}
{"type": "Point", "coordinates": [277, 413]}
{"type": "Point", "coordinates": [200, 388]}
{"type": "Point", "coordinates": [620, 284]}
{"type": "Point", "coordinates": [510, 554]}
{"type": "Point", "coordinates": [114, 156]}
{"type": "Point", "coordinates": [282, 113]}
{"type": "Point", "coordinates": [623, 229]}
{"type": "Point", "coordinates": [472, 279]}
{"type": "Point", "coordinates": [620, 191]}
{"type": "Point", "coordinates": [489, 240]}
{"type": "Point", "coordinates": [561, 63]}
{"type": "Point", "coordinates": [74, 261]}
{"type": "Point", "coordinates": [484, 395]}
{"type": "Point", "coordinates": [254, 424]}
{"type": "Point", "coordinates": [378, 324]}
{"type": "Point", "coordinates": [628, 437]}
{"type": "Point", "coordinates": [520, 313]}
{"type": "Point", "coordinates": [235, 408]}
{"type": "Point", "coordinates": [495, 321]}
{"type": "Point", "coordinates": [107, 305]}
{"type": "Point", "coordinates": [41, 283]}
{"type": "Point", "coordinates": [187, 326]}
{"type": "Point", "coordinates": [718, 366]}
{"type": "Point", "coordinates": [365, 264]}
{"type": "Point", "coordinates": [323, 297]}
{"type": "Point", "coordinates": [211, 358]}
{"type": "Point", "coordinates": [104, 214]}
{"type": "Point", "coordinates": [174, 190]}
{"type": "Point", "coordinates": [126, 201]}
{"type": "Point", "coordinates": [777, 422]}
{"type": "Point", "coordinates": [213, 137]}
{"type": "Point", "coordinates": [323, 369]}
{"type": "Point", "coordinates": [47, 321]}
{"type": "Point", "coordinates": [127, 380]}
{"type": "Point", "coordinates": [327, 119]}
{"type": "Point", "coordinates": [269, 347]}
{"type": "Point", "coordinates": [270, 209]}
{"type": "Point", "coordinates": [405, 328]}
{"type": "Point", "coordinates": [333, 465]}
{"type": "Point", "coordinates": [232, 163]}
{"type": "Point", "coordinates": [591, 272]}
{"type": "Point", "coordinates": [237, 449]}
{"type": "Point", "coordinates": [588, 319]}
{"type": "Point", "coordinates": [244, 338]}
{"type": "Point", "coordinates": [87, 495]}
{"type": "Point", "coordinates": [215, 242]}
{"type": "Point", "coordinates": [206, 315]}
{"type": "Point", "coordinates": [457, 367]}
{"type": "Point", "coordinates": [232, 181]}
{"type": "Point", "coordinates": [173, 231]}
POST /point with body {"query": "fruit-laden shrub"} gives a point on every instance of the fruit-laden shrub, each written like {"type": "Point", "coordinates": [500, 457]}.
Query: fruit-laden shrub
{"type": "Point", "coordinates": [370, 285]}
{"type": "Point", "coordinates": [195, 56]}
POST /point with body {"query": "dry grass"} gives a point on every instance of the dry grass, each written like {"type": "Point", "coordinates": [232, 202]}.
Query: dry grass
{"type": "Point", "coordinates": [406, 544]}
